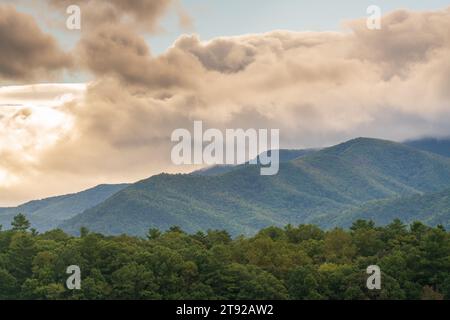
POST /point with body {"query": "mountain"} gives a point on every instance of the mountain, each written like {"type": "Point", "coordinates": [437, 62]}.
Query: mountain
{"type": "Point", "coordinates": [311, 189]}
{"type": "Point", "coordinates": [215, 170]}
{"type": "Point", "coordinates": [49, 213]}
{"type": "Point", "coordinates": [284, 156]}
{"type": "Point", "coordinates": [434, 145]}
{"type": "Point", "coordinates": [430, 208]}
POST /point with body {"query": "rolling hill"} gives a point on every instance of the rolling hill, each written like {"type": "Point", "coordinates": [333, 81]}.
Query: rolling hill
{"type": "Point", "coordinates": [434, 145]}
{"type": "Point", "coordinates": [430, 208]}
{"type": "Point", "coordinates": [48, 213]}
{"type": "Point", "coordinates": [313, 188]}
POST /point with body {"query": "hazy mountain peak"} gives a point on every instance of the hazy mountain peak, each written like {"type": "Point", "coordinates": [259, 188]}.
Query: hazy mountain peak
{"type": "Point", "coordinates": [309, 189]}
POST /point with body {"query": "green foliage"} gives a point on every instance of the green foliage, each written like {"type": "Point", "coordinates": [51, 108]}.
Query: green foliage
{"type": "Point", "coordinates": [20, 223]}
{"type": "Point", "coordinates": [153, 234]}
{"type": "Point", "coordinates": [432, 208]}
{"type": "Point", "coordinates": [295, 262]}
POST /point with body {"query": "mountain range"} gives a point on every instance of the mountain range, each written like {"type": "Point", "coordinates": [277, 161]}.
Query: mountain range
{"type": "Point", "coordinates": [362, 178]}
{"type": "Point", "coordinates": [48, 213]}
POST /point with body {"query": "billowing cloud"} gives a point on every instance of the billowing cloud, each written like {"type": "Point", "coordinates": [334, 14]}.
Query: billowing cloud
{"type": "Point", "coordinates": [27, 53]}
{"type": "Point", "coordinates": [118, 51]}
{"type": "Point", "coordinates": [112, 40]}
{"type": "Point", "coordinates": [319, 88]}
{"type": "Point", "coordinates": [222, 55]}
{"type": "Point", "coordinates": [144, 14]}
{"type": "Point", "coordinates": [394, 48]}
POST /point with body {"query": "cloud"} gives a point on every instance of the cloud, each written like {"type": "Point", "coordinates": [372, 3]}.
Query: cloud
{"type": "Point", "coordinates": [112, 40]}
{"type": "Point", "coordinates": [222, 55]}
{"type": "Point", "coordinates": [142, 14]}
{"type": "Point", "coordinates": [26, 53]}
{"type": "Point", "coordinates": [120, 52]}
{"type": "Point", "coordinates": [48, 95]}
{"type": "Point", "coordinates": [319, 88]}
{"type": "Point", "coordinates": [407, 38]}
{"type": "Point", "coordinates": [31, 118]}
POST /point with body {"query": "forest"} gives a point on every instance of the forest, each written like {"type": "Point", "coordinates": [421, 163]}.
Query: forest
{"type": "Point", "coordinates": [294, 262]}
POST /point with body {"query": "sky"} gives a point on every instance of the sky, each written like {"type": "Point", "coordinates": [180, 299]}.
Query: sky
{"type": "Point", "coordinates": [98, 105]}
{"type": "Point", "coordinates": [215, 18]}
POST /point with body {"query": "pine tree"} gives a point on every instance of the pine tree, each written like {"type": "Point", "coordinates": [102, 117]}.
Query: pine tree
{"type": "Point", "coordinates": [20, 223]}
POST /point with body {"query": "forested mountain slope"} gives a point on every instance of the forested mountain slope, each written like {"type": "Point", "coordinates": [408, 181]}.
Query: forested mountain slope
{"type": "Point", "coordinates": [310, 189]}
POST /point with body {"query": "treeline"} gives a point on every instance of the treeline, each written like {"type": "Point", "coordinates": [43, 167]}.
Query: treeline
{"type": "Point", "coordinates": [302, 262]}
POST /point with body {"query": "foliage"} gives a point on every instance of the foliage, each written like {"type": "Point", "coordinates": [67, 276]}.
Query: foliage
{"type": "Point", "coordinates": [302, 262]}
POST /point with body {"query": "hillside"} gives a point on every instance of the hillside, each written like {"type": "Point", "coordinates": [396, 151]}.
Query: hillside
{"type": "Point", "coordinates": [434, 145]}
{"type": "Point", "coordinates": [431, 209]}
{"type": "Point", "coordinates": [48, 213]}
{"type": "Point", "coordinates": [309, 189]}
{"type": "Point", "coordinates": [285, 155]}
